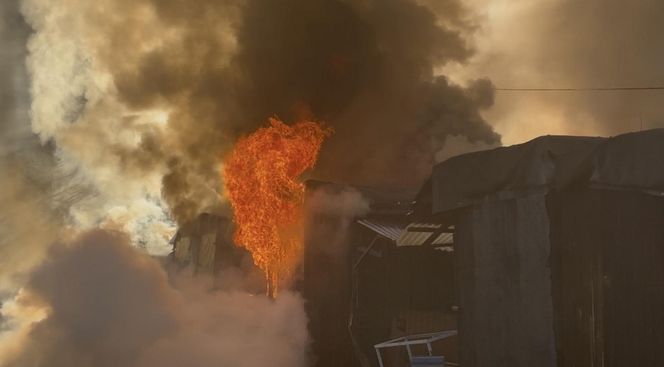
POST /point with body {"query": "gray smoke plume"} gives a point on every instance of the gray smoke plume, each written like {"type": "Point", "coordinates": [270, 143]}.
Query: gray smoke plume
{"type": "Point", "coordinates": [14, 95]}
{"type": "Point", "coordinates": [27, 214]}
{"type": "Point", "coordinates": [98, 302]}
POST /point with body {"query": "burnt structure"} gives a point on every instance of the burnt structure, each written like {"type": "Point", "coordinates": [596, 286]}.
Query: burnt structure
{"type": "Point", "coordinates": [206, 245]}
{"type": "Point", "coordinates": [557, 259]}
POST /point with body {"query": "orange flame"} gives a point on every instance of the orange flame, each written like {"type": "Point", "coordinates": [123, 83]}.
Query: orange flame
{"type": "Point", "coordinates": [261, 183]}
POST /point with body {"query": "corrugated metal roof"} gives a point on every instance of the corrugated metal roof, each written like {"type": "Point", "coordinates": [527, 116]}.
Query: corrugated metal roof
{"type": "Point", "coordinates": [414, 234]}
{"type": "Point", "coordinates": [390, 231]}
{"type": "Point", "coordinates": [417, 234]}
{"type": "Point", "coordinates": [444, 239]}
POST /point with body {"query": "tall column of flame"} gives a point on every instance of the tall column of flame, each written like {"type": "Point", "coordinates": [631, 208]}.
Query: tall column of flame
{"type": "Point", "coordinates": [261, 182]}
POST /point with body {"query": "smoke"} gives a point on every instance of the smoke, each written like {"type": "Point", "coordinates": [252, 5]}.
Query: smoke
{"type": "Point", "coordinates": [74, 109]}
{"type": "Point", "coordinates": [116, 114]}
{"type": "Point", "coordinates": [455, 145]}
{"type": "Point", "coordinates": [142, 99]}
{"type": "Point", "coordinates": [365, 68]}
{"type": "Point", "coordinates": [13, 96]}
{"type": "Point", "coordinates": [329, 212]}
{"type": "Point", "coordinates": [27, 212]}
{"type": "Point", "coordinates": [565, 43]}
{"type": "Point", "coordinates": [137, 92]}
{"type": "Point", "coordinates": [343, 201]}
{"type": "Point", "coordinates": [98, 302]}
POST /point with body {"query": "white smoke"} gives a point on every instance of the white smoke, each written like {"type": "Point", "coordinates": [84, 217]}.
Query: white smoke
{"type": "Point", "coordinates": [345, 202]}
{"type": "Point", "coordinates": [329, 212]}
{"type": "Point", "coordinates": [75, 109]}
{"type": "Point", "coordinates": [98, 302]}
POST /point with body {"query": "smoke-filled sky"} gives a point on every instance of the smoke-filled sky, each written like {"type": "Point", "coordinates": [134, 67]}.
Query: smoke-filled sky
{"type": "Point", "coordinates": [122, 111]}
{"type": "Point", "coordinates": [134, 104]}
{"type": "Point", "coordinates": [117, 114]}
{"type": "Point", "coordinates": [569, 44]}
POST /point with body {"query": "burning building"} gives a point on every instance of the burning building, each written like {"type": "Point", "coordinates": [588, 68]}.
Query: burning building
{"type": "Point", "coordinates": [547, 253]}
{"type": "Point", "coordinates": [206, 245]}
{"type": "Point", "coordinates": [137, 115]}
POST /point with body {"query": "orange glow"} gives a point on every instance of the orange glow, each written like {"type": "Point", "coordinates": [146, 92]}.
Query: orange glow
{"type": "Point", "coordinates": [261, 179]}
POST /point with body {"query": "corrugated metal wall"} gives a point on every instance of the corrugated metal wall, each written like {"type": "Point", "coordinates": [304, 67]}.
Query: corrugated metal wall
{"type": "Point", "coordinates": [608, 249]}
{"type": "Point", "coordinates": [326, 289]}
{"type": "Point", "coordinates": [504, 282]}
{"type": "Point", "coordinates": [573, 279]}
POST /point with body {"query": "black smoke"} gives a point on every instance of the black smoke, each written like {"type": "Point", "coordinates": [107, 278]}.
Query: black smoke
{"type": "Point", "coordinates": [365, 68]}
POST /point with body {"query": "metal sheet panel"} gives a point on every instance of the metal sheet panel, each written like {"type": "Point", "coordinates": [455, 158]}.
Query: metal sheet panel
{"type": "Point", "coordinates": [414, 234]}
{"type": "Point", "coordinates": [389, 231]}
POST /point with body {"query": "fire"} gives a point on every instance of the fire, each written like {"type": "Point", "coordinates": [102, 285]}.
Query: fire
{"type": "Point", "coordinates": [261, 182]}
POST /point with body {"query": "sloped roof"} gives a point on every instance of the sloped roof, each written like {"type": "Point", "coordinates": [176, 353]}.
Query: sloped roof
{"type": "Point", "coordinates": [630, 161]}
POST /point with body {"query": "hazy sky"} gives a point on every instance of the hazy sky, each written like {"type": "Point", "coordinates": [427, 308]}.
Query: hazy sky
{"type": "Point", "coordinates": [567, 43]}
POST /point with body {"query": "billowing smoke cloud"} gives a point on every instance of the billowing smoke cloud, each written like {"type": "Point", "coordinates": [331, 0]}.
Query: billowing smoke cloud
{"type": "Point", "coordinates": [366, 68]}
{"type": "Point", "coordinates": [75, 111]}
{"type": "Point", "coordinates": [27, 213]}
{"type": "Point", "coordinates": [153, 93]}
{"type": "Point", "coordinates": [105, 304]}
{"type": "Point", "coordinates": [117, 115]}
{"type": "Point", "coordinates": [565, 43]}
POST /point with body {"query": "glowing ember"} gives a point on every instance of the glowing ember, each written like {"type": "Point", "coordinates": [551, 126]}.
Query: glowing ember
{"type": "Point", "coordinates": [261, 183]}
